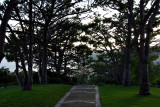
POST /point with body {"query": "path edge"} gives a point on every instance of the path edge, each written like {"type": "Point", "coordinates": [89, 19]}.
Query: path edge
{"type": "Point", "coordinates": [64, 97]}
{"type": "Point", "coordinates": [98, 103]}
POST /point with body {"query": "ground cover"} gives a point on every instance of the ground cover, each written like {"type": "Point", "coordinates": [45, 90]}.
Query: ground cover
{"type": "Point", "coordinates": [119, 96]}
{"type": "Point", "coordinates": [40, 96]}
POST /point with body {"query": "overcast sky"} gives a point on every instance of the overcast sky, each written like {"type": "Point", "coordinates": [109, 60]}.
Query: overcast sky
{"type": "Point", "coordinates": [10, 65]}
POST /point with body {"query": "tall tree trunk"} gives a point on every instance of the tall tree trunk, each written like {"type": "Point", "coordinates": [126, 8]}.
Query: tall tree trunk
{"type": "Point", "coordinates": [126, 75]}
{"type": "Point", "coordinates": [44, 56]}
{"type": "Point", "coordinates": [14, 50]}
{"type": "Point", "coordinates": [60, 60]}
{"type": "Point", "coordinates": [28, 79]}
{"type": "Point", "coordinates": [143, 62]}
{"type": "Point", "coordinates": [144, 55]}
{"type": "Point", "coordinates": [40, 71]}
{"type": "Point", "coordinates": [44, 65]}
{"type": "Point", "coordinates": [46, 36]}
{"type": "Point", "coordinates": [144, 79]}
{"type": "Point", "coordinates": [26, 84]}
{"type": "Point", "coordinates": [127, 62]}
{"type": "Point", "coordinates": [30, 64]}
{"type": "Point", "coordinates": [116, 75]}
{"type": "Point", "coordinates": [3, 26]}
{"type": "Point", "coordinates": [65, 66]}
{"type": "Point", "coordinates": [40, 64]}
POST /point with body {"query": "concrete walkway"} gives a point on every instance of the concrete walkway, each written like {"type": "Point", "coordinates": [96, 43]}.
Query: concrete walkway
{"type": "Point", "coordinates": [81, 96]}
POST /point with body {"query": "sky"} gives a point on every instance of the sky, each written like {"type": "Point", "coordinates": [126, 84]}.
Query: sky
{"type": "Point", "coordinates": [1, 1]}
{"type": "Point", "coordinates": [11, 65]}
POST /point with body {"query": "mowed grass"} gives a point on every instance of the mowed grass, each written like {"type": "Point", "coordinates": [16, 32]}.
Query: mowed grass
{"type": "Point", "coordinates": [39, 96]}
{"type": "Point", "coordinates": [119, 96]}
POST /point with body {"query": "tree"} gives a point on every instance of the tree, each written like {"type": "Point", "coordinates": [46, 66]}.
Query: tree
{"type": "Point", "coordinates": [143, 30]}
{"type": "Point", "coordinates": [62, 44]}
{"type": "Point", "coordinates": [41, 19]}
{"type": "Point", "coordinates": [5, 18]}
{"type": "Point", "coordinates": [22, 52]}
{"type": "Point", "coordinates": [141, 21]}
{"type": "Point", "coordinates": [4, 76]}
{"type": "Point", "coordinates": [50, 14]}
{"type": "Point", "coordinates": [122, 18]}
{"type": "Point", "coordinates": [106, 35]}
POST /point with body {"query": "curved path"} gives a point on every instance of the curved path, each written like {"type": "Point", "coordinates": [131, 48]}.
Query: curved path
{"type": "Point", "coordinates": [81, 96]}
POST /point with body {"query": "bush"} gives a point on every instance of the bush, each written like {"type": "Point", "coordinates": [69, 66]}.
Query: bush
{"type": "Point", "coordinates": [6, 78]}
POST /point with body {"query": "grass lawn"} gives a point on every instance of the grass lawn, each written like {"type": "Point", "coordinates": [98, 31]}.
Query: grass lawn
{"type": "Point", "coordinates": [119, 96]}
{"type": "Point", "coordinates": [40, 96]}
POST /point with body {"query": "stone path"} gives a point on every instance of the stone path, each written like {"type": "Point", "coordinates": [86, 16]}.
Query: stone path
{"type": "Point", "coordinates": [81, 96]}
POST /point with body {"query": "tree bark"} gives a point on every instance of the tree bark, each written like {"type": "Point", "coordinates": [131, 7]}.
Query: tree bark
{"type": "Point", "coordinates": [30, 60]}
{"type": "Point", "coordinates": [144, 79]}
{"type": "Point", "coordinates": [65, 66]}
{"type": "Point", "coordinates": [14, 50]}
{"type": "Point", "coordinates": [46, 36]}
{"type": "Point", "coordinates": [3, 26]}
{"type": "Point", "coordinates": [26, 85]}
{"type": "Point", "coordinates": [144, 55]}
{"type": "Point", "coordinates": [44, 56]}
{"type": "Point", "coordinates": [143, 62]}
{"type": "Point", "coordinates": [127, 62]}
{"type": "Point", "coordinates": [40, 64]}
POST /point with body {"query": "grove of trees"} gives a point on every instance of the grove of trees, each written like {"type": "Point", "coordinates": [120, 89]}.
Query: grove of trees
{"type": "Point", "coordinates": [49, 35]}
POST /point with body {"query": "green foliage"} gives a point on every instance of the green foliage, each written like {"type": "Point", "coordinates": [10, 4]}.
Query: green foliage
{"type": "Point", "coordinates": [153, 70]}
{"type": "Point", "coordinates": [39, 96]}
{"type": "Point", "coordinates": [135, 72]}
{"type": "Point", "coordinates": [107, 20]}
{"type": "Point", "coordinates": [97, 20]}
{"type": "Point", "coordinates": [84, 38]}
{"type": "Point", "coordinates": [97, 79]}
{"type": "Point", "coordinates": [54, 78]}
{"type": "Point", "coordinates": [82, 77]}
{"type": "Point", "coordinates": [6, 78]}
{"type": "Point", "coordinates": [84, 27]}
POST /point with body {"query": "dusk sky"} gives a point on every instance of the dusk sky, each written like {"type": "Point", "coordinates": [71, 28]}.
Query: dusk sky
{"type": "Point", "coordinates": [11, 65]}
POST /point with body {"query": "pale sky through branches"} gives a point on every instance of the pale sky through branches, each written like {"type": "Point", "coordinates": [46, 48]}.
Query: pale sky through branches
{"type": "Point", "coordinates": [11, 65]}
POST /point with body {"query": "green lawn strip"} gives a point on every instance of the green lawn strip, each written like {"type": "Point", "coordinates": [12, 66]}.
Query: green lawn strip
{"type": "Point", "coordinates": [39, 96]}
{"type": "Point", "coordinates": [119, 96]}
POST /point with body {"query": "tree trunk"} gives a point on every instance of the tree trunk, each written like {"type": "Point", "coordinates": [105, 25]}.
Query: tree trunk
{"type": "Point", "coordinates": [144, 58]}
{"type": "Point", "coordinates": [27, 85]}
{"type": "Point", "coordinates": [46, 37]}
{"type": "Point", "coordinates": [30, 61]}
{"type": "Point", "coordinates": [14, 50]}
{"type": "Point", "coordinates": [65, 66]}
{"type": "Point", "coordinates": [42, 80]}
{"type": "Point", "coordinates": [142, 45]}
{"type": "Point", "coordinates": [144, 79]}
{"type": "Point", "coordinates": [44, 56]}
{"type": "Point", "coordinates": [127, 62]}
{"type": "Point", "coordinates": [116, 76]}
{"type": "Point", "coordinates": [60, 60]}
{"type": "Point", "coordinates": [3, 25]}
{"type": "Point", "coordinates": [126, 75]}
{"type": "Point", "coordinates": [40, 64]}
